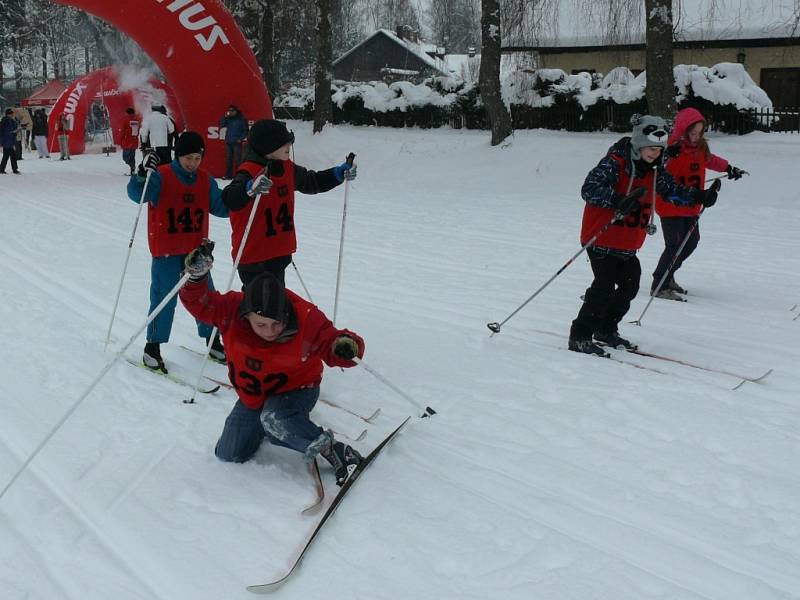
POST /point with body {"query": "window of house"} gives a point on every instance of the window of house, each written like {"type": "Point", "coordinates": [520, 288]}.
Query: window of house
{"type": "Point", "coordinates": [782, 86]}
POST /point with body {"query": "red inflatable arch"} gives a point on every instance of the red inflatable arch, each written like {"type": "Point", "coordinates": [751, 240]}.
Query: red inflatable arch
{"type": "Point", "coordinates": [117, 89]}
{"type": "Point", "coordinates": [203, 55]}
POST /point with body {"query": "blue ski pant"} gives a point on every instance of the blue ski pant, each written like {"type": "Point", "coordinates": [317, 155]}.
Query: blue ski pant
{"type": "Point", "coordinates": [283, 420]}
{"type": "Point", "coordinates": [165, 272]}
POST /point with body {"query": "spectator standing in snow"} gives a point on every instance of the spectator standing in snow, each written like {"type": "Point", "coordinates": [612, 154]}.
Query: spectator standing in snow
{"type": "Point", "coordinates": [180, 197]}
{"type": "Point", "coordinates": [267, 170]}
{"type": "Point", "coordinates": [8, 139]}
{"type": "Point", "coordinates": [625, 182]}
{"type": "Point", "coordinates": [235, 133]}
{"type": "Point", "coordinates": [155, 133]}
{"type": "Point", "coordinates": [129, 137]}
{"type": "Point", "coordinates": [40, 132]}
{"type": "Point", "coordinates": [276, 343]}
{"type": "Point", "coordinates": [63, 127]}
{"type": "Point", "coordinates": [689, 156]}
{"type": "Point", "coordinates": [23, 117]}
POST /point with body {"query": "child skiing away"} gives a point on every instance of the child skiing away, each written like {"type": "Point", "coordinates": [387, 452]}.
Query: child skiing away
{"type": "Point", "coordinates": [276, 343]}
{"type": "Point", "coordinates": [623, 184]}
{"type": "Point", "coordinates": [129, 137]}
{"type": "Point", "coordinates": [689, 156]}
{"type": "Point", "coordinates": [268, 170]}
{"type": "Point", "coordinates": [180, 196]}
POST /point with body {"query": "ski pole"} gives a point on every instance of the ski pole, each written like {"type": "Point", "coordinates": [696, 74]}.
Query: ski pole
{"type": "Point", "coordinates": [427, 411]}
{"type": "Point", "coordinates": [94, 383]}
{"type": "Point", "coordinates": [303, 283]}
{"type": "Point", "coordinates": [657, 289]}
{"type": "Point", "coordinates": [495, 327]}
{"type": "Point", "coordinates": [214, 331]}
{"type": "Point", "coordinates": [723, 176]}
{"type": "Point", "coordinates": [127, 258]}
{"type": "Point", "coordinates": [350, 158]}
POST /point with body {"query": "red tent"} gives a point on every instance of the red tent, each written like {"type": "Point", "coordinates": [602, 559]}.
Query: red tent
{"type": "Point", "coordinates": [45, 95]}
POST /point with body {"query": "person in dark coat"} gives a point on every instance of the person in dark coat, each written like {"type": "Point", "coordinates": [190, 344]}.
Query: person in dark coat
{"type": "Point", "coordinates": [40, 133]}
{"type": "Point", "coordinates": [235, 133]}
{"type": "Point", "coordinates": [8, 139]}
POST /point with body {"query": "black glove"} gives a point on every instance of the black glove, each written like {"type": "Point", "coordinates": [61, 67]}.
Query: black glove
{"type": "Point", "coordinates": [709, 197]}
{"type": "Point", "coordinates": [345, 347]}
{"type": "Point", "coordinates": [626, 204]}
{"type": "Point", "coordinates": [734, 173]}
{"type": "Point", "coordinates": [199, 261]}
{"type": "Point", "coordinates": [150, 163]}
{"type": "Point", "coordinates": [673, 150]}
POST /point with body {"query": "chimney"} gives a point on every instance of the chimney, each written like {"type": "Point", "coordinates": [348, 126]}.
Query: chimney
{"type": "Point", "coordinates": [400, 31]}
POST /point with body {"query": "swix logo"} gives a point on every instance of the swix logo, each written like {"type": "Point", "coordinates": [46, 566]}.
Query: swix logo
{"type": "Point", "coordinates": [188, 10]}
{"type": "Point", "coordinates": [71, 105]}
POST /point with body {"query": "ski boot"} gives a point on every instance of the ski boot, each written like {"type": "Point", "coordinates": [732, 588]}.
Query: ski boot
{"type": "Point", "coordinates": [671, 284]}
{"type": "Point", "coordinates": [666, 294]}
{"type": "Point", "coordinates": [612, 339]}
{"type": "Point", "coordinates": [152, 357]}
{"type": "Point", "coordinates": [217, 352]}
{"type": "Point", "coordinates": [587, 347]}
{"type": "Point", "coordinates": [344, 459]}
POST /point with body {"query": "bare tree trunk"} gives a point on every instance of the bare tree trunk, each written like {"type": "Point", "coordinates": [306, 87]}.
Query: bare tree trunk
{"type": "Point", "coordinates": [44, 61]}
{"type": "Point", "coordinates": [322, 73]}
{"type": "Point", "coordinates": [489, 78]}
{"type": "Point", "coordinates": [267, 54]}
{"type": "Point", "coordinates": [660, 78]}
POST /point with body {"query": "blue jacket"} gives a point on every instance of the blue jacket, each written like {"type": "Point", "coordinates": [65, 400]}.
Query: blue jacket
{"type": "Point", "coordinates": [136, 185]}
{"type": "Point", "coordinates": [235, 128]}
{"type": "Point", "coordinates": [8, 131]}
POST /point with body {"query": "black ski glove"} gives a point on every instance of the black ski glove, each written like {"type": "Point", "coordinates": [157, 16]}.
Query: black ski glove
{"type": "Point", "coordinates": [150, 162]}
{"type": "Point", "coordinates": [199, 261]}
{"type": "Point", "coordinates": [345, 347]}
{"type": "Point", "coordinates": [626, 204]}
{"type": "Point", "coordinates": [708, 197]}
{"type": "Point", "coordinates": [734, 173]}
{"type": "Point", "coordinates": [673, 150]}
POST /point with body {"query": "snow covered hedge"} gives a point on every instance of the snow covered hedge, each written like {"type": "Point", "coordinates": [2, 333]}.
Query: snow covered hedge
{"type": "Point", "coordinates": [538, 98]}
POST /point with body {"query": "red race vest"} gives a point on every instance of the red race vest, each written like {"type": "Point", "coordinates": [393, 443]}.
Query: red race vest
{"type": "Point", "coordinates": [630, 232]}
{"type": "Point", "coordinates": [258, 372]}
{"type": "Point", "coordinates": [180, 221]}
{"type": "Point", "coordinates": [272, 233]}
{"type": "Point", "coordinates": [689, 169]}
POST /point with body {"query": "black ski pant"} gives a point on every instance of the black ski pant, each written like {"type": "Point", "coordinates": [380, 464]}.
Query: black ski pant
{"type": "Point", "coordinates": [276, 266]}
{"type": "Point", "coordinates": [607, 300]}
{"type": "Point", "coordinates": [9, 153]}
{"type": "Point", "coordinates": [675, 230]}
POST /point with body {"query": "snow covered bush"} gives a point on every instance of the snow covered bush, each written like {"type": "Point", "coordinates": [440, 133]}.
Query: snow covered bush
{"type": "Point", "coordinates": [547, 98]}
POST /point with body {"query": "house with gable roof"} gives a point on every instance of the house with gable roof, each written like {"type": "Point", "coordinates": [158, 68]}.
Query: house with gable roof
{"type": "Point", "coordinates": [390, 56]}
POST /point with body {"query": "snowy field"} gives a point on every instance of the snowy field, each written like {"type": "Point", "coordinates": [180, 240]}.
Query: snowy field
{"type": "Point", "coordinates": [546, 474]}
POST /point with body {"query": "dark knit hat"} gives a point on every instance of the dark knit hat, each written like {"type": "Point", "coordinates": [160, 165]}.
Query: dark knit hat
{"type": "Point", "coordinates": [189, 142]}
{"type": "Point", "coordinates": [265, 296]}
{"type": "Point", "coordinates": [268, 135]}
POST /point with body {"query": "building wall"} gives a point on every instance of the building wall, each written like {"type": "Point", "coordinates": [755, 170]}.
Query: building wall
{"type": "Point", "coordinates": [756, 59]}
{"type": "Point", "coordinates": [365, 62]}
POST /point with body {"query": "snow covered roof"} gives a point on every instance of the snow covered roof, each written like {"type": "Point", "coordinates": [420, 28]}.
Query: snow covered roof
{"type": "Point", "coordinates": [420, 50]}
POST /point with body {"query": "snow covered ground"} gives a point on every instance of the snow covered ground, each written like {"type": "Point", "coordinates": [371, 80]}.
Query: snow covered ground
{"type": "Point", "coordinates": [546, 473]}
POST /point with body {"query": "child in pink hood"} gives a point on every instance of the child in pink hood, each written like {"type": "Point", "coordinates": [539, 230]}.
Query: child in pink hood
{"type": "Point", "coordinates": [690, 158]}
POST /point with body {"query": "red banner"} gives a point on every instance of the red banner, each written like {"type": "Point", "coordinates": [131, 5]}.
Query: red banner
{"type": "Point", "coordinates": [203, 55]}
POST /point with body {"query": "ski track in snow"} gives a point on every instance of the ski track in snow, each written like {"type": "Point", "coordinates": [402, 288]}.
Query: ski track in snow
{"type": "Point", "coordinates": [545, 474]}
